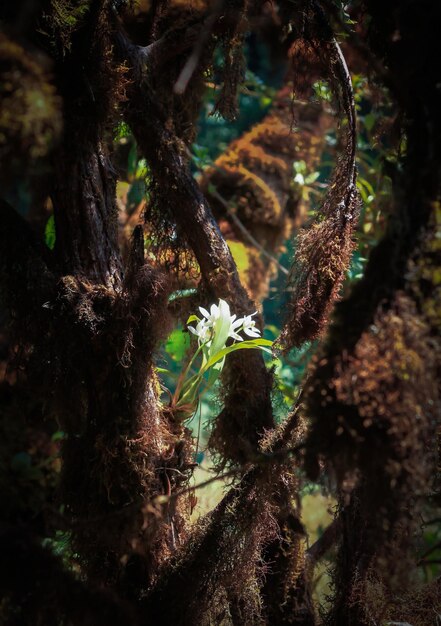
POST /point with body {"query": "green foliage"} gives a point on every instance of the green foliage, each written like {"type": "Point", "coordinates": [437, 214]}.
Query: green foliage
{"type": "Point", "coordinates": [49, 233]}
{"type": "Point", "coordinates": [121, 132]}
{"type": "Point", "coordinates": [322, 90]}
{"type": "Point", "coordinates": [177, 345]}
{"type": "Point", "coordinates": [303, 181]}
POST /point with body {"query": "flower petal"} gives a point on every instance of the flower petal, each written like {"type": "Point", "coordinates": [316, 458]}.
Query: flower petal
{"type": "Point", "coordinates": [237, 323]}
{"type": "Point", "coordinates": [224, 309]}
{"type": "Point", "coordinates": [254, 332]}
{"type": "Point", "coordinates": [204, 312]}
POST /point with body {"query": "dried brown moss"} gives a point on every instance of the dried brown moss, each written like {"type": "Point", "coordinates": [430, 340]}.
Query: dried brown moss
{"type": "Point", "coordinates": [234, 435]}
{"type": "Point", "coordinates": [220, 573]}
{"type": "Point", "coordinates": [375, 412]}
{"type": "Point", "coordinates": [382, 397]}
{"type": "Point", "coordinates": [88, 76]}
{"type": "Point", "coordinates": [324, 250]}
{"type": "Point", "coordinates": [322, 259]}
{"type": "Point", "coordinates": [67, 17]}
{"type": "Point", "coordinates": [119, 445]}
{"type": "Point", "coordinates": [233, 71]}
{"type": "Point", "coordinates": [218, 564]}
{"type": "Point", "coordinates": [419, 605]}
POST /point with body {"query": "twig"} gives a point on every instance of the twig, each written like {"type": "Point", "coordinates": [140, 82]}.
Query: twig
{"type": "Point", "coordinates": [324, 543]}
{"type": "Point", "coordinates": [279, 456]}
{"type": "Point", "coordinates": [246, 232]}
{"type": "Point", "coordinates": [194, 58]}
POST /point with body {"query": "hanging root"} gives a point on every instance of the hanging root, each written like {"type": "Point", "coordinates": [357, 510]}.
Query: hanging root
{"type": "Point", "coordinates": [234, 60]}
{"type": "Point", "coordinates": [382, 406]}
{"type": "Point", "coordinates": [324, 250]}
{"type": "Point", "coordinates": [219, 563]}
{"type": "Point", "coordinates": [286, 594]}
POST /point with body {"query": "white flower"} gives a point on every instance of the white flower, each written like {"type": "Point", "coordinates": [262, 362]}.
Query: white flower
{"type": "Point", "coordinates": [213, 315]}
{"type": "Point", "coordinates": [249, 326]}
{"type": "Point", "coordinates": [202, 331]}
{"type": "Point", "coordinates": [217, 325]}
{"type": "Point", "coordinates": [233, 326]}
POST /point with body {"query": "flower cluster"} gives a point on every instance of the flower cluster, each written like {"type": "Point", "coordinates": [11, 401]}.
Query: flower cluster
{"type": "Point", "coordinates": [213, 330]}
{"type": "Point", "coordinates": [219, 317]}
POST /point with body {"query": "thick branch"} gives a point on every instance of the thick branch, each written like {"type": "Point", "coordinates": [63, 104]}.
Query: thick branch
{"type": "Point", "coordinates": [248, 406]}
{"type": "Point", "coordinates": [86, 216]}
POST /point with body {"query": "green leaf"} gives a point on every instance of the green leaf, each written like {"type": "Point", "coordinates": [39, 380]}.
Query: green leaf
{"type": "Point", "coordinates": [122, 131]}
{"type": "Point", "coordinates": [311, 178]}
{"type": "Point", "coordinates": [49, 233]}
{"type": "Point", "coordinates": [215, 372]}
{"type": "Point", "coordinates": [142, 169]}
{"type": "Point", "coordinates": [181, 293]}
{"type": "Point", "coordinates": [243, 345]}
{"type": "Point", "coordinates": [177, 344]}
{"type": "Point", "coordinates": [190, 390]}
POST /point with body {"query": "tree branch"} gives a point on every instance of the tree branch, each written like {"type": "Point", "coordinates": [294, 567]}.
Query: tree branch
{"type": "Point", "coordinates": [248, 411]}
{"type": "Point", "coordinates": [324, 543]}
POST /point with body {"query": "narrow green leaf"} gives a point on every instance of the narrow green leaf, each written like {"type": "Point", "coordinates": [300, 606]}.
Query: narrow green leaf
{"type": "Point", "coordinates": [244, 345]}
{"type": "Point", "coordinates": [49, 233]}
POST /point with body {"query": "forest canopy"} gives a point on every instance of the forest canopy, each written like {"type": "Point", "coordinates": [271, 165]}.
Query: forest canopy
{"type": "Point", "coordinates": [220, 312]}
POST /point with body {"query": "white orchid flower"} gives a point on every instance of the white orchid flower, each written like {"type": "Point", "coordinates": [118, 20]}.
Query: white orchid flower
{"type": "Point", "coordinates": [249, 326]}
{"type": "Point", "coordinates": [235, 324]}
{"type": "Point", "coordinates": [213, 315]}
{"type": "Point", "coordinates": [221, 326]}
{"type": "Point", "coordinates": [213, 331]}
{"type": "Point", "coordinates": [202, 331]}
{"type": "Point", "coordinates": [217, 325]}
